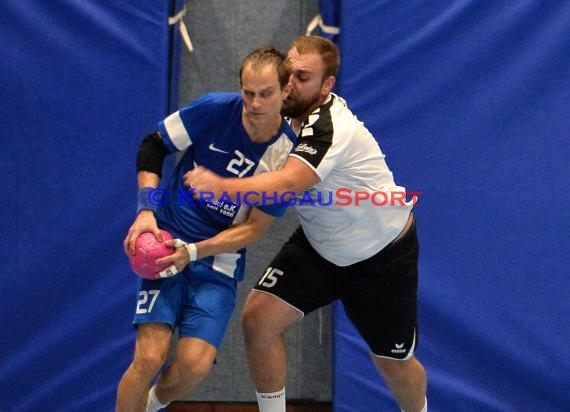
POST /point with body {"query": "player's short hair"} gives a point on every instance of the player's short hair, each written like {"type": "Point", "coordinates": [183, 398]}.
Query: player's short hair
{"type": "Point", "coordinates": [324, 47]}
{"type": "Point", "coordinates": [269, 55]}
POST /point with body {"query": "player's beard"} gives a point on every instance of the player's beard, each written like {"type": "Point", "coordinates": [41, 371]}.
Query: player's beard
{"type": "Point", "coordinates": [300, 109]}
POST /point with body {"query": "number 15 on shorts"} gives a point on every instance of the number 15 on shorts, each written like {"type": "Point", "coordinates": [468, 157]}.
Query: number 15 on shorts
{"type": "Point", "coordinates": [269, 279]}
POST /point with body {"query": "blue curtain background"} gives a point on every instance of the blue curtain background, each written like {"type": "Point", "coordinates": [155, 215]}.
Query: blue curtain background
{"type": "Point", "coordinates": [82, 82]}
{"type": "Point", "coordinates": [470, 100]}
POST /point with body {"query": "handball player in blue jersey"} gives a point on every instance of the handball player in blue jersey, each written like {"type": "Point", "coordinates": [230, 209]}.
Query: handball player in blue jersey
{"type": "Point", "coordinates": [236, 135]}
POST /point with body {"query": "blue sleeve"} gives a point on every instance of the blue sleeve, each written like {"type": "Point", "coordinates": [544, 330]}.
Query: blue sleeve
{"type": "Point", "coordinates": [276, 209]}
{"type": "Point", "coordinates": [181, 129]}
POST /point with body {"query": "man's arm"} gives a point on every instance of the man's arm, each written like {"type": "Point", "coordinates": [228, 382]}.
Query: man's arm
{"type": "Point", "coordinates": [295, 176]}
{"type": "Point", "coordinates": [150, 158]}
{"type": "Point", "coordinates": [145, 220]}
{"type": "Point", "coordinates": [227, 241]}
{"type": "Point", "coordinates": [238, 236]}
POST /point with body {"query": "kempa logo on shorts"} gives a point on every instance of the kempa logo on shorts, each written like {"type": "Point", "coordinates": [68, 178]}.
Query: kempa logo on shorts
{"type": "Point", "coordinates": [304, 147]}
{"type": "Point", "coordinates": [215, 149]}
{"type": "Point", "coordinates": [399, 348]}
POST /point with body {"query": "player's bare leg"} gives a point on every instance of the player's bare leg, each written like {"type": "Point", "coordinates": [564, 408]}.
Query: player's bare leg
{"type": "Point", "coordinates": [194, 360]}
{"type": "Point", "coordinates": [406, 380]}
{"type": "Point", "coordinates": [264, 319]}
{"type": "Point", "coordinates": [151, 349]}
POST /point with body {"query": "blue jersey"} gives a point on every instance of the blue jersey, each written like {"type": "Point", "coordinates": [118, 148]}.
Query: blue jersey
{"type": "Point", "coordinates": [211, 132]}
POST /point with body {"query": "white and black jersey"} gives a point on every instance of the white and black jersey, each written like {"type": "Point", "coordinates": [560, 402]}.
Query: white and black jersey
{"type": "Point", "coordinates": [356, 209]}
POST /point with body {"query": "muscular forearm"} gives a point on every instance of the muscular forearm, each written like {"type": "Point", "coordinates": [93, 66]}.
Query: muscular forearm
{"type": "Point", "coordinates": [233, 238]}
{"type": "Point", "coordinates": [271, 182]}
{"type": "Point", "coordinates": [147, 179]}
{"type": "Point", "coordinates": [295, 177]}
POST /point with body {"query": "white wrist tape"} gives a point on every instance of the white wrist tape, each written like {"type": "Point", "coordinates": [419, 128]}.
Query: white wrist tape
{"type": "Point", "coordinates": [190, 247]}
{"type": "Point", "coordinates": [168, 272]}
{"type": "Point", "coordinates": [192, 251]}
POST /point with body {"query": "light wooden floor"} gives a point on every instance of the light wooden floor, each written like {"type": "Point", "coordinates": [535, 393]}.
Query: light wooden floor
{"type": "Point", "coordinates": [244, 407]}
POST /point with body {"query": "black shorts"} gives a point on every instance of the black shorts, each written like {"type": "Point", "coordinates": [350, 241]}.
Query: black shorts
{"type": "Point", "coordinates": [379, 294]}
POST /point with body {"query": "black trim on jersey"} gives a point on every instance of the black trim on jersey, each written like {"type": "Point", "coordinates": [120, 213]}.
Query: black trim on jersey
{"type": "Point", "coordinates": [151, 154]}
{"type": "Point", "coordinates": [313, 147]}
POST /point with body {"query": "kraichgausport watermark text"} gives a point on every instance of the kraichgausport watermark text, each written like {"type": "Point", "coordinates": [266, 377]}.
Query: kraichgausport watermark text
{"type": "Point", "coordinates": [340, 197]}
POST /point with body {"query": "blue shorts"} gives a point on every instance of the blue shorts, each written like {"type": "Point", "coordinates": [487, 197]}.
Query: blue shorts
{"type": "Point", "coordinates": [198, 301]}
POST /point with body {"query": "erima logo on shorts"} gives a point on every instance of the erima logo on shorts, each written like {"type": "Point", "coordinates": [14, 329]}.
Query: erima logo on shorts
{"type": "Point", "coordinates": [304, 147]}
{"type": "Point", "coordinates": [399, 348]}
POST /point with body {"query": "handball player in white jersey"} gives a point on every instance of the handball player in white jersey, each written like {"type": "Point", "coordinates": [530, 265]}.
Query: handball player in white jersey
{"type": "Point", "coordinates": [363, 251]}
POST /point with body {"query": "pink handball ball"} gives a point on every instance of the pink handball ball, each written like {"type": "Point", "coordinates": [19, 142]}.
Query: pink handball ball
{"type": "Point", "coordinates": [147, 250]}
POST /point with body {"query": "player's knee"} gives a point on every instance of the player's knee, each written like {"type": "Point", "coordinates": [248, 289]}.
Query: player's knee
{"type": "Point", "coordinates": [149, 360]}
{"type": "Point", "coordinates": [394, 370]}
{"type": "Point", "coordinates": [192, 368]}
{"type": "Point", "coordinates": [265, 318]}
{"type": "Point", "coordinates": [251, 322]}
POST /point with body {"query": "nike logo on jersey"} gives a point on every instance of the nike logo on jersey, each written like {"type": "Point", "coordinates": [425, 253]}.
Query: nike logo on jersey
{"type": "Point", "coordinates": [215, 149]}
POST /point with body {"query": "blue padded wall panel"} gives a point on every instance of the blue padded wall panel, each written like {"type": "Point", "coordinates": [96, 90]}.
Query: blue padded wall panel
{"type": "Point", "coordinates": [82, 82]}
{"type": "Point", "coordinates": [470, 102]}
